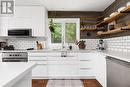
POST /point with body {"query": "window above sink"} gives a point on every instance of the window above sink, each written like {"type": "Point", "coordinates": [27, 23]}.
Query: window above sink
{"type": "Point", "coordinates": [66, 31]}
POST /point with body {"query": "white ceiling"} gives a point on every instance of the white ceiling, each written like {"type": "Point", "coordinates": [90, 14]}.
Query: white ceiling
{"type": "Point", "coordinates": [69, 5]}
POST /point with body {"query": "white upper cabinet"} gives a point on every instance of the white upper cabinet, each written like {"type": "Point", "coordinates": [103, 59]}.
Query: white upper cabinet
{"type": "Point", "coordinates": [3, 26]}
{"type": "Point", "coordinates": [39, 18]}
{"type": "Point", "coordinates": [26, 17]}
{"type": "Point", "coordinates": [21, 18]}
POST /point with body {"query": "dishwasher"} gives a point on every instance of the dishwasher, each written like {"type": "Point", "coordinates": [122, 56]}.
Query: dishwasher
{"type": "Point", "coordinates": [118, 73]}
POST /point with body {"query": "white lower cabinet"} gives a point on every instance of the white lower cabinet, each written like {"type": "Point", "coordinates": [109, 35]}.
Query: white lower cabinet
{"type": "Point", "coordinates": [75, 65]}
{"type": "Point", "coordinates": [62, 67]}
{"type": "Point", "coordinates": [62, 71]}
{"type": "Point", "coordinates": [86, 65]}
{"type": "Point", "coordinates": [40, 71]}
{"type": "Point", "coordinates": [100, 68]}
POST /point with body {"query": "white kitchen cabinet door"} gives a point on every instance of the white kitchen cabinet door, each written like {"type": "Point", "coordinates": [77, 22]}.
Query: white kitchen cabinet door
{"type": "Point", "coordinates": [39, 16]}
{"type": "Point", "coordinates": [0, 57]}
{"type": "Point", "coordinates": [29, 17]}
{"type": "Point", "coordinates": [85, 56]}
{"type": "Point", "coordinates": [22, 11]}
{"type": "Point", "coordinates": [86, 64]}
{"type": "Point", "coordinates": [100, 68]}
{"type": "Point", "coordinates": [3, 26]}
{"type": "Point", "coordinates": [21, 18]}
{"type": "Point", "coordinates": [62, 67]}
{"type": "Point", "coordinates": [62, 71]}
{"type": "Point", "coordinates": [40, 70]}
{"type": "Point", "coordinates": [86, 72]}
{"type": "Point", "coordinates": [19, 23]}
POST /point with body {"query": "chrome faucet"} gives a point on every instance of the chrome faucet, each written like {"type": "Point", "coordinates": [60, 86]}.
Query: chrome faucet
{"type": "Point", "coordinates": [64, 50]}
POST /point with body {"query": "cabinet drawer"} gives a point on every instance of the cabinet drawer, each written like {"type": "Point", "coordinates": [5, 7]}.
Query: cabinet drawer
{"type": "Point", "coordinates": [63, 70]}
{"type": "Point", "coordinates": [39, 71]}
{"type": "Point", "coordinates": [40, 62]}
{"type": "Point", "coordinates": [54, 54]}
{"type": "Point", "coordinates": [69, 58]}
{"type": "Point", "coordinates": [37, 54]}
{"type": "Point", "coordinates": [72, 54]}
{"type": "Point", "coordinates": [54, 58]}
{"type": "Point", "coordinates": [63, 62]}
{"type": "Point", "coordinates": [86, 72]}
{"type": "Point", "coordinates": [38, 58]}
{"type": "Point", "coordinates": [85, 56]}
{"type": "Point", "coordinates": [85, 64]}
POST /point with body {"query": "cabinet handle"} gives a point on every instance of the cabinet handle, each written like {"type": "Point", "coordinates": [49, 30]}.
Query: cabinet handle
{"type": "Point", "coordinates": [84, 60]}
{"type": "Point", "coordinates": [37, 56]}
{"type": "Point", "coordinates": [41, 64]}
{"type": "Point", "coordinates": [38, 60]}
{"type": "Point", "coordinates": [84, 68]}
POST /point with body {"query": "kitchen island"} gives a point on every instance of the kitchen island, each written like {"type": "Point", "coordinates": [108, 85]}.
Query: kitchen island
{"type": "Point", "coordinates": [16, 74]}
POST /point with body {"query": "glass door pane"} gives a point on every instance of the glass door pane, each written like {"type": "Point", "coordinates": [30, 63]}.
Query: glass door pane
{"type": "Point", "coordinates": [70, 32]}
{"type": "Point", "coordinates": [56, 37]}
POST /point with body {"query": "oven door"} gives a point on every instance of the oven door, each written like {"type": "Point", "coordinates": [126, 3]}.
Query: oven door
{"type": "Point", "coordinates": [14, 60]}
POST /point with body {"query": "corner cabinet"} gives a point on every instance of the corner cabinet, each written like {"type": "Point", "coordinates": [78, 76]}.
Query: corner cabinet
{"type": "Point", "coordinates": [26, 17]}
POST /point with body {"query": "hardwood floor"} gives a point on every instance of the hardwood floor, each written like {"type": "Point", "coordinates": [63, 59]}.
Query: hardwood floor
{"type": "Point", "coordinates": [39, 83]}
{"type": "Point", "coordinates": [87, 83]}
{"type": "Point", "coordinates": [91, 83]}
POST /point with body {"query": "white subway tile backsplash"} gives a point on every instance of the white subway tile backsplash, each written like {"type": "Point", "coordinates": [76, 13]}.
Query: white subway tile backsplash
{"type": "Point", "coordinates": [91, 43]}
{"type": "Point", "coordinates": [31, 43]}
{"type": "Point", "coordinates": [118, 43]}
{"type": "Point", "coordinates": [25, 43]}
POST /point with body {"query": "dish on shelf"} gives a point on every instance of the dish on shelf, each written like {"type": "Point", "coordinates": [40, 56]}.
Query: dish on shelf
{"type": "Point", "coordinates": [113, 14]}
{"type": "Point", "coordinates": [106, 18]}
{"type": "Point", "coordinates": [99, 32]}
{"type": "Point", "coordinates": [121, 9]}
{"type": "Point", "coordinates": [128, 4]}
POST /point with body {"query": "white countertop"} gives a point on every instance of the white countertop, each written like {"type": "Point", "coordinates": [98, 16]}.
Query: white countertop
{"type": "Point", "coordinates": [10, 73]}
{"type": "Point", "coordinates": [124, 56]}
{"type": "Point", "coordinates": [49, 50]}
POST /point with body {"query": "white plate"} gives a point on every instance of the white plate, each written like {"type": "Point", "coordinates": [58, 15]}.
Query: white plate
{"type": "Point", "coordinates": [106, 18]}
{"type": "Point", "coordinates": [113, 14]}
{"type": "Point", "coordinates": [128, 4]}
{"type": "Point", "coordinates": [121, 9]}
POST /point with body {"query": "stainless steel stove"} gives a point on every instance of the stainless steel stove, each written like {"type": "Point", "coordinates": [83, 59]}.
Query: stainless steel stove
{"type": "Point", "coordinates": [14, 57]}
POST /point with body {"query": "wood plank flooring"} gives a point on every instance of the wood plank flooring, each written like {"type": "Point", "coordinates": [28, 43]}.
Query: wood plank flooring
{"type": "Point", "coordinates": [87, 83]}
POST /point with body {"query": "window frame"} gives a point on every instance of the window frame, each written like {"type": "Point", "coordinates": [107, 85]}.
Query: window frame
{"type": "Point", "coordinates": [63, 21]}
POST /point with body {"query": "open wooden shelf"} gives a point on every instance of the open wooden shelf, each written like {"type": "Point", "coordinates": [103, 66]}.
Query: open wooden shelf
{"type": "Point", "coordinates": [119, 14]}
{"type": "Point", "coordinates": [115, 31]}
{"type": "Point", "coordinates": [88, 29]}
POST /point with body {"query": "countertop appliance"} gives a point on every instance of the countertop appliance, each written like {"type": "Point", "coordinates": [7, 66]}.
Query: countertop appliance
{"type": "Point", "coordinates": [20, 32]}
{"type": "Point", "coordinates": [14, 57]}
{"type": "Point", "coordinates": [101, 45]}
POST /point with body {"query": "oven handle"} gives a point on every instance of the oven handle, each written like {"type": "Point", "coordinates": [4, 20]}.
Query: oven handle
{"type": "Point", "coordinates": [18, 59]}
